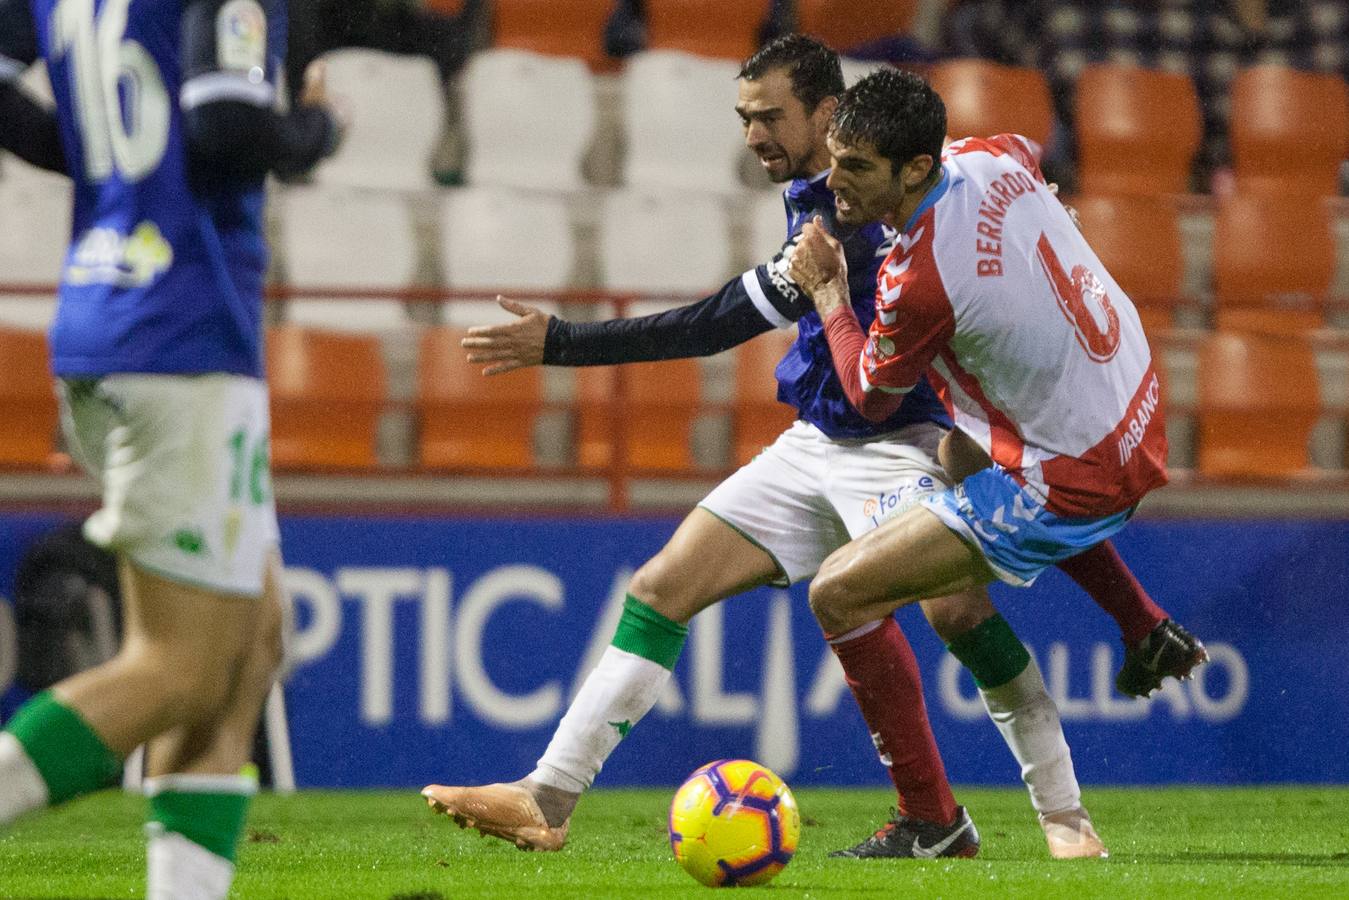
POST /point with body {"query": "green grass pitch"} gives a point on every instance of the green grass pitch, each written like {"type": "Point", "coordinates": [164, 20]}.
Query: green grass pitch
{"type": "Point", "coordinates": [1193, 842]}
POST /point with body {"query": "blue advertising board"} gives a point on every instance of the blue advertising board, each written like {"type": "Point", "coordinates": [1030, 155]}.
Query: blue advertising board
{"type": "Point", "coordinates": [446, 650]}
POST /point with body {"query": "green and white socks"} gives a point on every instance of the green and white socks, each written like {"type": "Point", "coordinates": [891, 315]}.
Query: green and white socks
{"type": "Point", "coordinates": [48, 755]}
{"type": "Point", "coordinates": [623, 687]}
{"type": "Point", "coordinates": [1014, 694]}
{"type": "Point", "coordinates": [193, 832]}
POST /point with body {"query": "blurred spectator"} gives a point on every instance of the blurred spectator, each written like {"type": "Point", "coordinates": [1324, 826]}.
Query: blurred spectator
{"type": "Point", "coordinates": [1209, 40]}
{"type": "Point", "coordinates": [397, 26]}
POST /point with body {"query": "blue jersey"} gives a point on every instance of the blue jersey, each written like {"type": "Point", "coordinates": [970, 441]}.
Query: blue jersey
{"type": "Point", "coordinates": [163, 275]}
{"type": "Point", "coordinates": [806, 376]}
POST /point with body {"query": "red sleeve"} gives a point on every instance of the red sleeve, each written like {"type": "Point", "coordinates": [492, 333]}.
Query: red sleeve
{"type": "Point", "coordinates": [914, 320]}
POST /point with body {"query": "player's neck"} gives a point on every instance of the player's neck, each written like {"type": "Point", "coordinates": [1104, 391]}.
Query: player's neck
{"type": "Point", "coordinates": [914, 197]}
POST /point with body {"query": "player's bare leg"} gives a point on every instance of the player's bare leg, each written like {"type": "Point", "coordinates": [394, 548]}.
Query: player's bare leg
{"type": "Point", "coordinates": [181, 648]}
{"type": "Point", "coordinates": [198, 796]}
{"type": "Point", "coordinates": [705, 561]}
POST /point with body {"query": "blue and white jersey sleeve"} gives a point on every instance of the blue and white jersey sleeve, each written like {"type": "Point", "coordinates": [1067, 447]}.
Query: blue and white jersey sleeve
{"type": "Point", "coordinates": [228, 52]}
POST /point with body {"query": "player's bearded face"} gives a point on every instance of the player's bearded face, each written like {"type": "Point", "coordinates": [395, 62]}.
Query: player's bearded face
{"type": "Point", "coordinates": [787, 140]}
{"type": "Point", "coordinates": [866, 187]}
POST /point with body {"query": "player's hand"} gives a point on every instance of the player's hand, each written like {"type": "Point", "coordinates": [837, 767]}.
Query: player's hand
{"type": "Point", "coordinates": [817, 259]}
{"type": "Point", "coordinates": [315, 93]}
{"type": "Point", "coordinates": [514, 345]}
{"type": "Point", "coordinates": [1072, 213]}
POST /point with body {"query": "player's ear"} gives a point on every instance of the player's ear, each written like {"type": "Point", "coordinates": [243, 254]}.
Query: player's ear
{"type": "Point", "coordinates": [916, 170]}
{"type": "Point", "coordinates": [824, 110]}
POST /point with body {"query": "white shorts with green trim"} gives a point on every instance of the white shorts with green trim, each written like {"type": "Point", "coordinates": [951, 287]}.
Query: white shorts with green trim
{"type": "Point", "coordinates": [807, 494]}
{"type": "Point", "coordinates": [185, 471]}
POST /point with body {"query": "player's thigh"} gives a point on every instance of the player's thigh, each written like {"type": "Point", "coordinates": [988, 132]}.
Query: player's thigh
{"type": "Point", "coordinates": [705, 561]}
{"type": "Point", "coordinates": [778, 501]}
{"type": "Point", "coordinates": [875, 482]}
{"type": "Point", "coordinates": [912, 557]}
{"type": "Point", "coordinates": [184, 467]}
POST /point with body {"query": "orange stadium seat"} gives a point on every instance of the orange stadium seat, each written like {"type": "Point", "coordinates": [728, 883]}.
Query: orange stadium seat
{"type": "Point", "coordinates": [571, 28]}
{"type": "Point", "coordinates": [728, 29]}
{"type": "Point", "coordinates": [1289, 131]}
{"type": "Point", "coordinates": [1258, 400]}
{"type": "Point", "coordinates": [759, 416]}
{"type": "Point", "coordinates": [468, 420]}
{"type": "Point", "coordinates": [1137, 130]}
{"type": "Point", "coordinates": [1138, 241]}
{"type": "Point", "coordinates": [845, 24]}
{"type": "Point", "coordinates": [657, 424]}
{"type": "Point", "coordinates": [983, 99]}
{"type": "Point", "coordinates": [328, 390]}
{"type": "Point", "coordinates": [27, 400]}
{"type": "Point", "coordinates": [1273, 263]}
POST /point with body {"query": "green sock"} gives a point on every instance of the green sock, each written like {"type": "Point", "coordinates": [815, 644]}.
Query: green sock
{"type": "Point", "coordinates": [208, 810]}
{"type": "Point", "coordinates": [69, 756]}
{"type": "Point", "coordinates": [646, 633]}
{"type": "Point", "coordinates": [992, 652]}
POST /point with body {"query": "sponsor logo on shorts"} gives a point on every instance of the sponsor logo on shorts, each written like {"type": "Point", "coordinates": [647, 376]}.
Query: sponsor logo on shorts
{"type": "Point", "coordinates": [888, 504]}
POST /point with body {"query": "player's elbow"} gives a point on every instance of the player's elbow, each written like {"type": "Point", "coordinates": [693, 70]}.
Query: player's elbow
{"type": "Point", "coordinates": [226, 142]}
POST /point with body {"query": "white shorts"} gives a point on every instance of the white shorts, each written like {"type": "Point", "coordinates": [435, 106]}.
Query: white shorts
{"type": "Point", "coordinates": [186, 475]}
{"type": "Point", "coordinates": [807, 495]}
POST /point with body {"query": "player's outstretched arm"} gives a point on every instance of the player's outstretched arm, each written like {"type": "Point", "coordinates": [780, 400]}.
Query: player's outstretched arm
{"type": "Point", "coordinates": [229, 97]}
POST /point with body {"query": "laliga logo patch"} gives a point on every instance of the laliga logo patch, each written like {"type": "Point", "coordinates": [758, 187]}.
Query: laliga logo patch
{"type": "Point", "coordinates": [241, 36]}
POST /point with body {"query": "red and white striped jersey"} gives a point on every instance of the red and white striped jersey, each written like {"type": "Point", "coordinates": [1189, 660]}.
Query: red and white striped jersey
{"type": "Point", "coordinates": [993, 292]}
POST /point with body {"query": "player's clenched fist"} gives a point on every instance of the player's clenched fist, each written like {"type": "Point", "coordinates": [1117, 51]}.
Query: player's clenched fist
{"type": "Point", "coordinates": [819, 267]}
{"type": "Point", "coordinates": [515, 345]}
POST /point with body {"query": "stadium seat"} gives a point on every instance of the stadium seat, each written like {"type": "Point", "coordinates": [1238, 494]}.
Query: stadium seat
{"type": "Point", "coordinates": [529, 119]}
{"type": "Point", "coordinates": [656, 422]}
{"type": "Point", "coordinates": [1273, 262]}
{"type": "Point", "coordinates": [653, 242]}
{"type": "Point", "coordinates": [504, 240]}
{"type": "Point", "coordinates": [727, 29]}
{"type": "Point", "coordinates": [1138, 242]}
{"type": "Point", "coordinates": [1258, 401]}
{"type": "Point", "coordinates": [846, 24]}
{"type": "Point", "coordinates": [759, 416]}
{"type": "Point", "coordinates": [468, 420]}
{"type": "Point", "coordinates": [328, 391]}
{"type": "Point", "coordinates": [682, 132]}
{"type": "Point", "coordinates": [1137, 130]}
{"type": "Point", "coordinates": [396, 108]}
{"type": "Point", "coordinates": [983, 99]}
{"type": "Point", "coordinates": [344, 238]}
{"type": "Point", "coordinates": [27, 400]}
{"type": "Point", "coordinates": [1289, 131]}
{"type": "Point", "coordinates": [574, 28]}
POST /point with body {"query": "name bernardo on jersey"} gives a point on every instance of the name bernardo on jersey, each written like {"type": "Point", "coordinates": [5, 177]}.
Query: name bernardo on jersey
{"type": "Point", "coordinates": [992, 209]}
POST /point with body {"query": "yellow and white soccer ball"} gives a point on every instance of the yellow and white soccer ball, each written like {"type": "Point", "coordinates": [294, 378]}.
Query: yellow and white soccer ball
{"type": "Point", "coordinates": [733, 822]}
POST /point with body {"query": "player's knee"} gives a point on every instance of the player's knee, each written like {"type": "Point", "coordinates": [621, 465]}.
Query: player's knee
{"type": "Point", "coordinates": [951, 617]}
{"type": "Point", "coordinates": [829, 596]}
{"type": "Point", "coordinates": [658, 585]}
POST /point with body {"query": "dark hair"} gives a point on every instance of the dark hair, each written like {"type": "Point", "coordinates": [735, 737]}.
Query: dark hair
{"type": "Point", "coordinates": [897, 113]}
{"type": "Point", "coordinates": [813, 68]}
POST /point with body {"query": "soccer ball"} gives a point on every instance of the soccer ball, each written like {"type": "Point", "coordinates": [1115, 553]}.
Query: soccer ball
{"type": "Point", "coordinates": [733, 822]}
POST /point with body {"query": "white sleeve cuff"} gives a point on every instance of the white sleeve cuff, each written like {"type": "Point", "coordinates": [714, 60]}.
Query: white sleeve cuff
{"type": "Point", "coordinates": [215, 86]}
{"type": "Point", "coordinates": [750, 281]}
{"type": "Point", "coordinates": [10, 69]}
